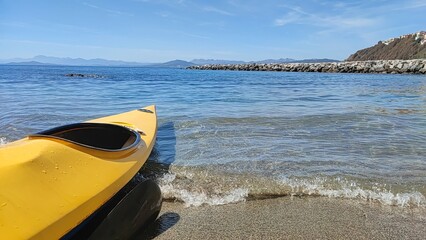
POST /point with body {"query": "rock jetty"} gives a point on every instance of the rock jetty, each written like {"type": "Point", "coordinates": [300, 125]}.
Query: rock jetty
{"type": "Point", "coordinates": [417, 66]}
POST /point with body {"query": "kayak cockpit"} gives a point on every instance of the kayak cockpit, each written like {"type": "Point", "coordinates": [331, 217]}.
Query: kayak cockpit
{"type": "Point", "coordinates": [100, 136]}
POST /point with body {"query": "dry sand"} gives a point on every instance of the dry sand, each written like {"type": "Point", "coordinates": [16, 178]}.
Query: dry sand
{"type": "Point", "coordinates": [288, 218]}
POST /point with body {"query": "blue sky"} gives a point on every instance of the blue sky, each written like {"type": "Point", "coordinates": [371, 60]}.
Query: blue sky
{"type": "Point", "coordinates": [161, 30]}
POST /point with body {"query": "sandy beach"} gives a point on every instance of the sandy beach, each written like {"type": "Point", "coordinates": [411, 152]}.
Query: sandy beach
{"type": "Point", "coordinates": [288, 218]}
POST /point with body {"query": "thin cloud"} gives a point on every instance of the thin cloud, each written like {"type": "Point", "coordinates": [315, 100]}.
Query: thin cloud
{"type": "Point", "coordinates": [289, 18]}
{"type": "Point", "coordinates": [166, 2]}
{"type": "Point", "coordinates": [413, 4]}
{"type": "Point", "coordinates": [47, 43]}
{"type": "Point", "coordinates": [351, 22]}
{"type": "Point", "coordinates": [193, 35]}
{"type": "Point", "coordinates": [219, 24]}
{"type": "Point", "coordinates": [42, 25]}
{"type": "Point", "coordinates": [217, 10]}
{"type": "Point", "coordinates": [113, 12]}
{"type": "Point", "coordinates": [384, 7]}
{"type": "Point", "coordinates": [163, 14]}
{"type": "Point", "coordinates": [297, 15]}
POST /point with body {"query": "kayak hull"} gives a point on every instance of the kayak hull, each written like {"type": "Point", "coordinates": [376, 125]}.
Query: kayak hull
{"type": "Point", "coordinates": [49, 185]}
{"type": "Point", "coordinates": [125, 215]}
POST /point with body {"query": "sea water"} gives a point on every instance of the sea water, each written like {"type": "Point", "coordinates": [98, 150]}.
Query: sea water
{"type": "Point", "coordinates": [227, 136]}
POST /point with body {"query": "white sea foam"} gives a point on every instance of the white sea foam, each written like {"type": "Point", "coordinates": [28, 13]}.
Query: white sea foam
{"type": "Point", "coordinates": [351, 190]}
{"type": "Point", "coordinates": [200, 198]}
{"type": "Point", "coordinates": [196, 197]}
{"type": "Point", "coordinates": [3, 141]}
{"type": "Point", "coordinates": [195, 192]}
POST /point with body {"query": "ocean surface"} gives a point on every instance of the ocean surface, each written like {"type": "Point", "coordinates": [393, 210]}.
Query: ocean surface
{"type": "Point", "coordinates": [226, 136]}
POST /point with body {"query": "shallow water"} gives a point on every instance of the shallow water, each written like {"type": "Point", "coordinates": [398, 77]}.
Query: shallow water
{"type": "Point", "coordinates": [230, 136]}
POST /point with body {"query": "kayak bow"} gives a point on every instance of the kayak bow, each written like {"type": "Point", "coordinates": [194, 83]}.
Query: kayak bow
{"type": "Point", "coordinates": [52, 181]}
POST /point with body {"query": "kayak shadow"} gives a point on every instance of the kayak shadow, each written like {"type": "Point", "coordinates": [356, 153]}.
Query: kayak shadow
{"type": "Point", "coordinates": [163, 154]}
{"type": "Point", "coordinates": [159, 226]}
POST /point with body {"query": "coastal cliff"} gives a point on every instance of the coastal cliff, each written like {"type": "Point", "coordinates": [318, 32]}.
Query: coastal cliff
{"type": "Point", "coordinates": [409, 46]}
{"type": "Point", "coordinates": [417, 66]}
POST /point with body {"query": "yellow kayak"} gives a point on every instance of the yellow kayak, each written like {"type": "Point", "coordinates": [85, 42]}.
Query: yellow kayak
{"type": "Point", "coordinates": [53, 181]}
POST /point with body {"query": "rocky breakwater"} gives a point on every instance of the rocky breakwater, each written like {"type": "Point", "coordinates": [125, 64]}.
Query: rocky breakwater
{"type": "Point", "coordinates": [417, 66]}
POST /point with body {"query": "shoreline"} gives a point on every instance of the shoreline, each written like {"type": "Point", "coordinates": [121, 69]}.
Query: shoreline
{"type": "Point", "coordinates": [288, 218]}
{"type": "Point", "coordinates": [416, 66]}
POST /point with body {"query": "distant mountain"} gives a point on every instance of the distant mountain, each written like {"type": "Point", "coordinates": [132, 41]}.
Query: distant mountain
{"type": "Point", "coordinates": [281, 60]}
{"type": "Point", "coordinates": [173, 64]}
{"type": "Point", "coordinates": [315, 60]}
{"type": "Point", "coordinates": [30, 63]}
{"type": "Point", "coordinates": [410, 46]}
{"type": "Point", "coordinates": [46, 60]}
{"type": "Point", "coordinates": [74, 61]}
{"type": "Point", "coordinates": [215, 61]}
{"type": "Point", "coordinates": [290, 60]}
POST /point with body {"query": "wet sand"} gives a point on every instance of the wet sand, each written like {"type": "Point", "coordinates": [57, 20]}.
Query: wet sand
{"type": "Point", "coordinates": [288, 218]}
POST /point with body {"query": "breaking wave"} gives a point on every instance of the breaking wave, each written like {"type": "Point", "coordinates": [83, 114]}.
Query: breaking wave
{"type": "Point", "coordinates": [3, 141]}
{"type": "Point", "coordinates": [198, 198]}
{"type": "Point", "coordinates": [196, 186]}
{"type": "Point", "coordinates": [352, 190]}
